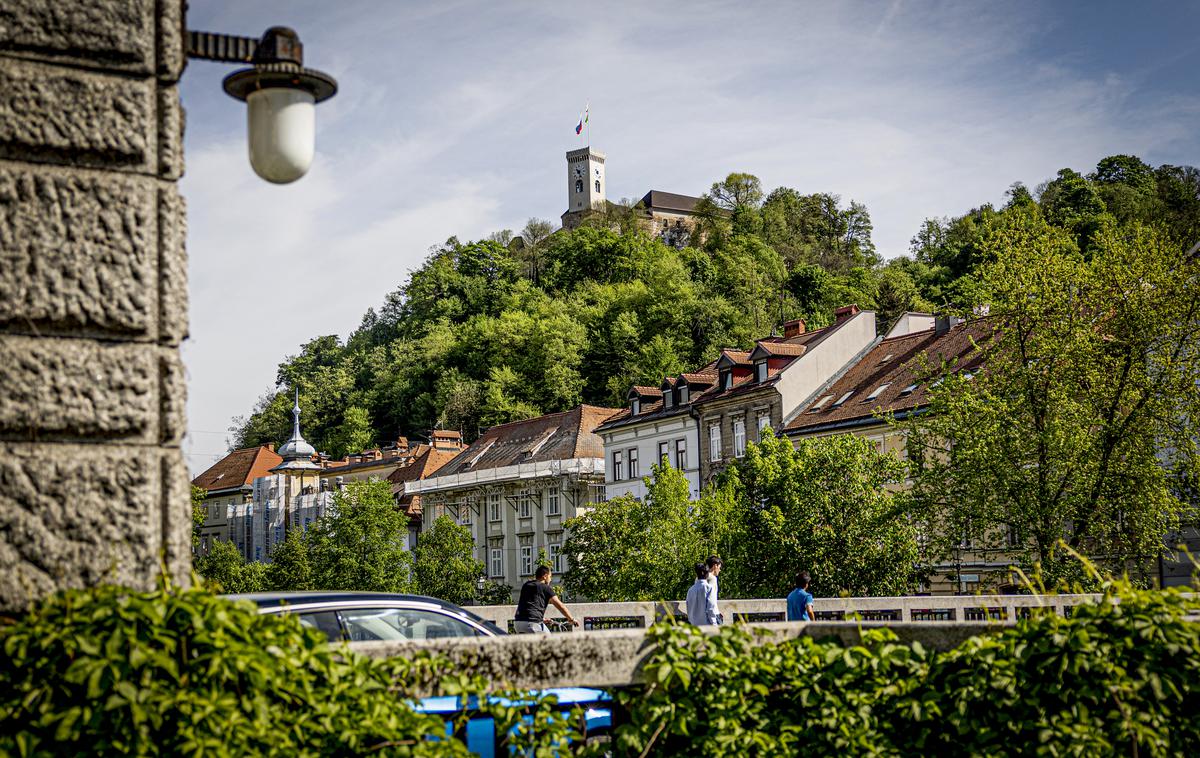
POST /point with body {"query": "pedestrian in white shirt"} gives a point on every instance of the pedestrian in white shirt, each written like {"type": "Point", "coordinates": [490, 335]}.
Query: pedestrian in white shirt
{"type": "Point", "coordinates": [701, 600]}
{"type": "Point", "coordinates": [714, 567]}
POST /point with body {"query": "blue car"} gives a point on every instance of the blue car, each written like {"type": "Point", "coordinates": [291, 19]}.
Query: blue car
{"type": "Point", "coordinates": [375, 616]}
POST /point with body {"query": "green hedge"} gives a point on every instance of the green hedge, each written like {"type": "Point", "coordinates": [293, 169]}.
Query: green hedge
{"type": "Point", "coordinates": [109, 671]}
{"type": "Point", "coordinates": [1120, 677]}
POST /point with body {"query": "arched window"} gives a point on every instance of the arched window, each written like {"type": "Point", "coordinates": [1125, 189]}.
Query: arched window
{"type": "Point", "coordinates": [597, 186]}
{"type": "Point", "coordinates": [578, 185]}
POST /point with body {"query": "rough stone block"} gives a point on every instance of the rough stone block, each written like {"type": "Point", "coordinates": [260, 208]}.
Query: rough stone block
{"type": "Point", "coordinates": [172, 266]}
{"type": "Point", "coordinates": [78, 252]}
{"type": "Point", "coordinates": [176, 516]}
{"type": "Point", "coordinates": [170, 133]}
{"type": "Point", "coordinates": [77, 516]}
{"type": "Point", "coordinates": [172, 40]}
{"type": "Point", "coordinates": [115, 34]}
{"type": "Point", "coordinates": [53, 114]}
{"type": "Point", "coordinates": [79, 389]}
{"type": "Point", "coordinates": [172, 397]}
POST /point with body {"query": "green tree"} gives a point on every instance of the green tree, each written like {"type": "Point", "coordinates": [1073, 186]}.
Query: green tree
{"type": "Point", "coordinates": [362, 544]}
{"type": "Point", "coordinates": [444, 564]}
{"type": "Point", "coordinates": [290, 569]}
{"type": "Point", "coordinates": [226, 571]}
{"type": "Point", "coordinates": [1086, 405]}
{"type": "Point", "coordinates": [625, 549]}
{"type": "Point", "coordinates": [824, 506]}
{"type": "Point", "coordinates": [199, 514]}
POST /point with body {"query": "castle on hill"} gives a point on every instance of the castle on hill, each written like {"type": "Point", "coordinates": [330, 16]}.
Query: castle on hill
{"type": "Point", "coordinates": [664, 214]}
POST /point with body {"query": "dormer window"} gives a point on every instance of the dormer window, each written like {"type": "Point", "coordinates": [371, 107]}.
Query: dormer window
{"type": "Point", "coordinates": [683, 394]}
{"type": "Point", "coordinates": [760, 370]}
{"type": "Point", "coordinates": [635, 406]}
{"type": "Point", "coordinates": [726, 379]}
{"type": "Point", "coordinates": [668, 397]}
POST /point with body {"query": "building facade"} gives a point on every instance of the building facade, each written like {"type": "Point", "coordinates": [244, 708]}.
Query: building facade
{"type": "Point", "coordinates": [229, 483]}
{"type": "Point", "coordinates": [516, 486]}
{"type": "Point", "coordinates": [765, 387]}
{"type": "Point", "coordinates": [657, 426]}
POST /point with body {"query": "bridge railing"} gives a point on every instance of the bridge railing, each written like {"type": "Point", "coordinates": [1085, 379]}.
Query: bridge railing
{"type": "Point", "coordinates": [911, 609]}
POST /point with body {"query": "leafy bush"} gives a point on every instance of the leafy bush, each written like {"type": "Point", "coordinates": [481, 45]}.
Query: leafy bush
{"type": "Point", "coordinates": [1118, 677]}
{"type": "Point", "coordinates": [109, 671]}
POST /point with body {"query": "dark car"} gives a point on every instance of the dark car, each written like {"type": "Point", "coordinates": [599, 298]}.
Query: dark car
{"type": "Point", "coordinates": [374, 616]}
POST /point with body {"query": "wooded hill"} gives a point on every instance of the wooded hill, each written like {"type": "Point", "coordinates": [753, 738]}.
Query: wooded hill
{"type": "Point", "coordinates": [519, 325]}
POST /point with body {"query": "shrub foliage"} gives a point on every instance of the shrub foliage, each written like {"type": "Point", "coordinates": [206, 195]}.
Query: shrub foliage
{"type": "Point", "coordinates": [1119, 677]}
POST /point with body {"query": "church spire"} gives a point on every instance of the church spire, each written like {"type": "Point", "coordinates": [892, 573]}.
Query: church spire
{"type": "Point", "coordinates": [296, 452]}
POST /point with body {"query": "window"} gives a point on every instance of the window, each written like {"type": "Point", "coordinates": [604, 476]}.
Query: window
{"type": "Point", "coordinates": [552, 506]}
{"type": "Point", "coordinates": [739, 437]}
{"type": "Point", "coordinates": [493, 500]}
{"type": "Point", "coordinates": [634, 472]}
{"type": "Point", "coordinates": [876, 392]}
{"type": "Point", "coordinates": [525, 504]}
{"type": "Point", "coordinates": [597, 186]}
{"type": "Point", "coordinates": [369, 624]}
{"type": "Point", "coordinates": [681, 454]}
{"type": "Point", "coordinates": [618, 466]}
{"type": "Point", "coordinates": [526, 560]}
{"type": "Point", "coordinates": [578, 186]}
{"type": "Point", "coordinates": [760, 371]}
{"type": "Point", "coordinates": [668, 397]}
{"type": "Point", "coordinates": [663, 451]}
{"type": "Point", "coordinates": [635, 407]}
{"type": "Point", "coordinates": [843, 398]}
{"type": "Point", "coordinates": [204, 545]}
{"type": "Point", "coordinates": [764, 420]}
{"type": "Point", "coordinates": [714, 442]}
{"type": "Point", "coordinates": [497, 562]}
{"type": "Point", "coordinates": [554, 551]}
{"type": "Point", "coordinates": [909, 389]}
{"type": "Point", "coordinates": [821, 403]}
{"type": "Point", "coordinates": [324, 621]}
{"type": "Point", "coordinates": [683, 394]}
{"type": "Point", "coordinates": [726, 379]}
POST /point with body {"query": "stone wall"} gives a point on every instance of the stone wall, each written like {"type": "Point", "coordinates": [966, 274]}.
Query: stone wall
{"type": "Point", "coordinates": [93, 296]}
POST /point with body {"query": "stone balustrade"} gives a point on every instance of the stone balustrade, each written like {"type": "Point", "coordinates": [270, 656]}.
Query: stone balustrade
{"type": "Point", "coordinates": [911, 609]}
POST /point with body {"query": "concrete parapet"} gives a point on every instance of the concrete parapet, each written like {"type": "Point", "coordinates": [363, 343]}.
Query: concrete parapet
{"type": "Point", "coordinates": [615, 658]}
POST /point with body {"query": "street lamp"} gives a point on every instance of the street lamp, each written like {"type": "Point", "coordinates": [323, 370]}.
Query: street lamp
{"type": "Point", "coordinates": [280, 96]}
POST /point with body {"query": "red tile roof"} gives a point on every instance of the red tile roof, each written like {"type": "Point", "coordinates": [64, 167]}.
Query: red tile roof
{"type": "Point", "coordinates": [424, 465]}
{"type": "Point", "coordinates": [555, 436]}
{"type": "Point", "coordinates": [239, 469]}
{"type": "Point", "coordinates": [780, 348]}
{"type": "Point", "coordinates": [894, 364]}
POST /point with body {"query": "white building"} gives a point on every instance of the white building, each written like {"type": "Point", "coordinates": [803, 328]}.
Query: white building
{"type": "Point", "coordinates": [656, 426]}
{"type": "Point", "coordinates": [516, 486]}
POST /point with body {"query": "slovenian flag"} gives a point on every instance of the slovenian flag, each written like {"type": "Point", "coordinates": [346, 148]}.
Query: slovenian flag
{"type": "Point", "coordinates": [583, 119]}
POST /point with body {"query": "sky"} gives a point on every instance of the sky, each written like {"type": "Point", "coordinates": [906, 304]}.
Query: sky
{"type": "Point", "coordinates": [452, 119]}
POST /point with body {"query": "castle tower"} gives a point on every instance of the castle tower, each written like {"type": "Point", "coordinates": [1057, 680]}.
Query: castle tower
{"type": "Point", "coordinates": [586, 183]}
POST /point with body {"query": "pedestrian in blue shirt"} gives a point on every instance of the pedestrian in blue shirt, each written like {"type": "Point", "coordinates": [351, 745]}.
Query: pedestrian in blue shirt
{"type": "Point", "coordinates": [800, 600]}
{"type": "Point", "coordinates": [701, 600]}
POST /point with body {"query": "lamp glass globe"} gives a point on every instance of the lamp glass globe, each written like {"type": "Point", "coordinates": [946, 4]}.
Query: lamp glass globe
{"type": "Point", "coordinates": [282, 126]}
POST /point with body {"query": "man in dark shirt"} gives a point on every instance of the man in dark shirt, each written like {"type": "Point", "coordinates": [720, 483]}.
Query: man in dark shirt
{"type": "Point", "coordinates": [531, 608]}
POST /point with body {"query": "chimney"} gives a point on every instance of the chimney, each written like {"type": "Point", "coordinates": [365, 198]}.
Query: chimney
{"type": "Point", "coordinates": [844, 313]}
{"type": "Point", "coordinates": [943, 322]}
{"type": "Point", "coordinates": [271, 446]}
{"type": "Point", "coordinates": [793, 328]}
